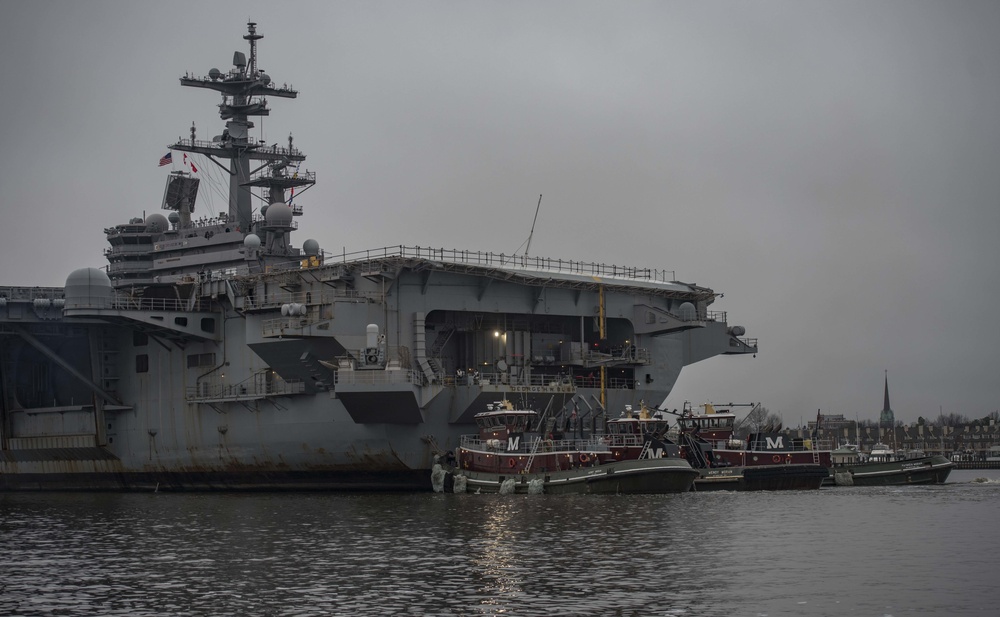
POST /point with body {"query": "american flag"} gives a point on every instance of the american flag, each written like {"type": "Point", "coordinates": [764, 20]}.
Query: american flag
{"type": "Point", "coordinates": [167, 159]}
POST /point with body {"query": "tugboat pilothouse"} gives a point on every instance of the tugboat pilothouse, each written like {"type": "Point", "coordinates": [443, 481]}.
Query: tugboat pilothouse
{"type": "Point", "coordinates": [215, 353]}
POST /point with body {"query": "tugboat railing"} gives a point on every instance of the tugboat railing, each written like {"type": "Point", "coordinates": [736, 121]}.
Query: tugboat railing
{"type": "Point", "coordinates": [546, 446]}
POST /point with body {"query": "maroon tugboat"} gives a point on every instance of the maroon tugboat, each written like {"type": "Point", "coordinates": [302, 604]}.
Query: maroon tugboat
{"type": "Point", "coordinates": [510, 454]}
{"type": "Point", "coordinates": [763, 462]}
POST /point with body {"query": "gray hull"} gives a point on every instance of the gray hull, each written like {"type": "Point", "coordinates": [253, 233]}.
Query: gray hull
{"type": "Point", "coordinates": [78, 413]}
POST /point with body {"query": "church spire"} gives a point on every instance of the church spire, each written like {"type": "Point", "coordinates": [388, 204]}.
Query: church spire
{"type": "Point", "coordinates": [887, 418]}
{"type": "Point", "coordinates": [885, 405]}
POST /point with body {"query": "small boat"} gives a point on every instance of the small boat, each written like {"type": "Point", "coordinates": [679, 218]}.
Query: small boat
{"type": "Point", "coordinates": [885, 467]}
{"type": "Point", "coordinates": [725, 463]}
{"type": "Point", "coordinates": [510, 454]}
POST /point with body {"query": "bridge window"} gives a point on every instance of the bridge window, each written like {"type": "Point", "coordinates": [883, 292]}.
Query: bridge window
{"type": "Point", "coordinates": [139, 339]}
{"type": "Point", "coordinates": [207, 324]}
{"type": "Point", "coordinates": [142, 363]}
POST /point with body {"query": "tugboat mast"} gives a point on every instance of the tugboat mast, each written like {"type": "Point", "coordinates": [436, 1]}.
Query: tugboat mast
{"type": "Point", "coordinates": [243, 91]}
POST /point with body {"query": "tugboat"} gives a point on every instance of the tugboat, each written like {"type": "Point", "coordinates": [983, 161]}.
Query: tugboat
{"type": "Point", "coordinates": [510, 455]}
{"type": "Point", "coordinates": [717, 427]}
{"type": "Point", "coordinates": [726, 464]}
{"type": "Point", "coordinates": [884, 467]}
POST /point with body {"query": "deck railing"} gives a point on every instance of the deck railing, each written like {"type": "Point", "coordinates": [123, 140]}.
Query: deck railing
{"type": "Point", "coordinates": [257, 386]}
{"type": "Point", "coordinates": [507, 262]}
{"type": "Point", "coordinates": [378, 377]}
{"type": "Point", "coordinates": [31, 293]}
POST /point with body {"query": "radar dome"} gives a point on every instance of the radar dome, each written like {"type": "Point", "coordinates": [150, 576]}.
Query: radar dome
{"type": "Point", "coordinates": [252, 241]}
{"type": "Point", "coordinates": [278, 214]}
{"type": "Point", "coordinates": [214, 74]}
{"type": "Point", "coordinates": [687, 312]}
{"type": "Point", "coordinates": [263, 210]}
{"type": "Point", "coordinates": [174, 218]}
{"type": "Point", "coordinates": [156, 223]}
{"type": "Point", "coordinates": [88, 288]}
{"type": "Point", "coordinates": [310, 247]}
{"type": "Point", "coordinates": [265, 78]}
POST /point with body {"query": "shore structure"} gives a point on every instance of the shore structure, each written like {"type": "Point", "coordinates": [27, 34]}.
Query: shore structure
{"type": "Point", "coordinates": [211, 352]}
{"type": "Point", "coordinates": [970, 444]}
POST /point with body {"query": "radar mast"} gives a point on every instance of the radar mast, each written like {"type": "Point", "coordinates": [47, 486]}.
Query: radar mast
{"type": "Point", "coordinates": [243, 90]}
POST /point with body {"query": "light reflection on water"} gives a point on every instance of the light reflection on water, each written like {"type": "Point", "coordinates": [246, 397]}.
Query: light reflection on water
{"type": "Point", "coordinates": [837, 551]}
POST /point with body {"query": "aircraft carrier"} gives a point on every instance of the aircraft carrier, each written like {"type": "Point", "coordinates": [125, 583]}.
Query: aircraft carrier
{"type": "Point", "coordinates": [212, 353]}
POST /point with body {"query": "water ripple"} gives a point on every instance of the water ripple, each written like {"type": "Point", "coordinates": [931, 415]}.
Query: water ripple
{"type": "Point", "coordinates": [849, 550]}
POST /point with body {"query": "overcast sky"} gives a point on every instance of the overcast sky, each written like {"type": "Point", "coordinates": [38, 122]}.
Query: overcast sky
{"type": "Point", "coordinates": [833, 168]}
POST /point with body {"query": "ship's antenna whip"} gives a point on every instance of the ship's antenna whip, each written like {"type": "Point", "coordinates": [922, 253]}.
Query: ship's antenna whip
{"type": "Point", "coordinates": [531, 233]}
{"type": "Point", "coordinates": [527, 242]}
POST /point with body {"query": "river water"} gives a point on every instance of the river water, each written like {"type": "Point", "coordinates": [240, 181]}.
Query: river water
{"type": "Point", "coordinates": [927, 550]}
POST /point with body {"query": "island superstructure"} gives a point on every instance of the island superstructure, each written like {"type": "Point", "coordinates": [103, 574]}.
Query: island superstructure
{"type": "Point", "coordinates": [213, 353]}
